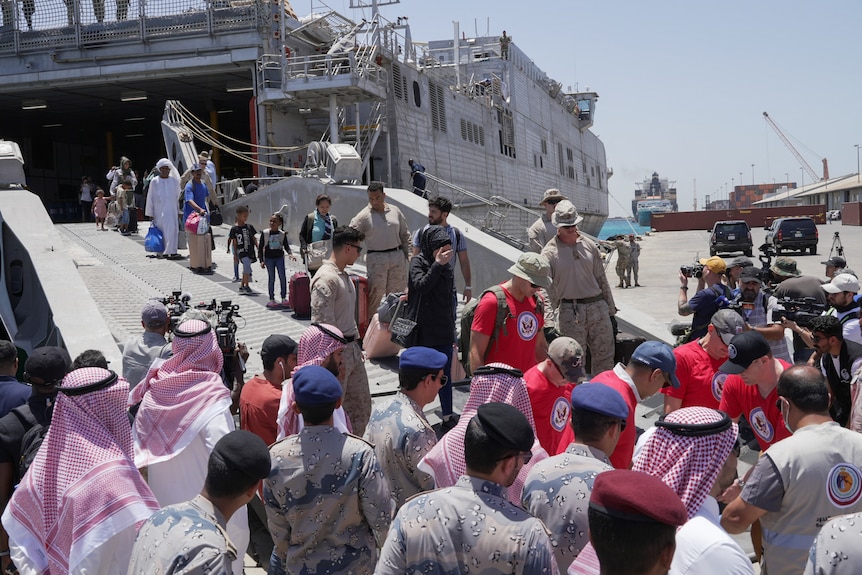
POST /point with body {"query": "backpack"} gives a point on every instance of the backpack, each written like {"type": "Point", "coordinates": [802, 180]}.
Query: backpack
{"type": "Point", "coordinates": [30, 444]}
{"type": "Point", "coordinates": [503, 313]}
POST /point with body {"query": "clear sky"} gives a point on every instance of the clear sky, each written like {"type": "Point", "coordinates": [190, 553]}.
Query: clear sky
{"type": "Point", "coordinates": [683, 84]}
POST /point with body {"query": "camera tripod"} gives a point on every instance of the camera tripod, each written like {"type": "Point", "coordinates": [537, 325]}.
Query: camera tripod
{"type": "Point", "coordinates": [837, 248]}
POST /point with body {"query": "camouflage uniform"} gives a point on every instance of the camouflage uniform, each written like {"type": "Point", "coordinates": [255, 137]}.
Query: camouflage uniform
{"type": "Point", "coordinates": [581, 298]}
{"type": "Point", "coordinates": [624, 251]}
{"type": "Point", "coordinates": [632, 269]}
{"type": "Point", "coordinates": [401, 436]}
{"type": "Point", "coordinates": [188, 537]}
{"type": "Point", "coordinates": [557, 491]}
{"type": "Point", "coordinates": [469, 527]}
{"type": "Point", "coordinates": [327, 502]}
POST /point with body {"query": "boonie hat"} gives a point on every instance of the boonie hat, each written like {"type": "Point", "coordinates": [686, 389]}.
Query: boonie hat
{"type": "Point", "coordinates": [715, 264]}
{"type": "Point", "coordinates": [154, 314]}
{"type": "Point", "coordinates": [600, 398]}
{"type": "Point", "coordinates": [505, 425]}
{"type": "Point", "coordinates": [418, 358]}
{"type": "Point", "coordinates": [727, 323]}
{"type": "Point", "coordinates": [50, 364]}
{"type": "Point", "coordinates": [276, 346]}
{"type": "Point", "coordinates": [658, 355]}
{"type": "Point", "coordinates": [836, 261]}
{"type": "Point", "coordinates": [565, 215]}
{"type": "Point", "coordinates": [243, 452]}
{"type": "Point", "coordinates": [636, 496]}
{"type": "Point", "coordinates": [743, 350]}
{"type": "Point", "coordinates": [552, 194]}
{"type": "Point", "coordinates": [315, 385]}
{"type": "Point", "coordinates": [532, 267]}
{"type": "Point", "coordinates": [568, 355]}
{"type": "Point", "coordinates": [841, 283]}
{"type": "Point", "coordinates": [740, 262]}
{"type": "Point", "coordinates": [785, 267]}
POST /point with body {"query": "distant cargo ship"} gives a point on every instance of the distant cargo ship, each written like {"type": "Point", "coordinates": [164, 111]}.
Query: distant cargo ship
{"type": "Point", "coordinates": [654, 194]}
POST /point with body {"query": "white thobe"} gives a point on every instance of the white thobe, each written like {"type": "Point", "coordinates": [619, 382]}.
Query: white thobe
{"type": "Point", "coordinates": [181, 478]}
{"type": "Point", "coordinates": [163, 207]}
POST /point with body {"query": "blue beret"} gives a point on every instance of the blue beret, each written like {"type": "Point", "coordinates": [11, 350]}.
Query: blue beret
{"type": "Point", "coordinates": [419, 358]}
{"type": "Point", "coordinates": [315, 385]}
{"type": "Point", "coordinates": [599, 398]}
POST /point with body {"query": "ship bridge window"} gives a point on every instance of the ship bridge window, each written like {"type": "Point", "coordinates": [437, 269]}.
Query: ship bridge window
{"type": "Point", "coordinates": [584, 109]}
{"type": "Point", "coordinates": [417, 98]}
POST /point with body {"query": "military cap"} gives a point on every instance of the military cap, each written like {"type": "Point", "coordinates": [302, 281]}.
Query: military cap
{"type": "Point", "coordinates": [315, 385]}
{"type": "Point", "coordinates": [243, 452]}
{"type": "Point", "coordinates": [420, 358]}
{"type": "Point", "coordinates": [599, 398]}
{"type": "Point", "coordinates": [505, 425]}
{"type": "Point", "coordinates": [636, 496]}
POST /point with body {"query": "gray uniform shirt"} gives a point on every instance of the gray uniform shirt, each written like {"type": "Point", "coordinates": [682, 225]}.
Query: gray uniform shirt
{"type": "Point", "coordinates": [327, 502]}
{"type": "Point", "coordinates": [139, 352]}
{"type": "Point", "coordinates": [470, 527]}
{"type": "Point", "coordinates": [557, 491]}
{"type": "Point", "coordinates": [188, 538]}
{"type": "Point", "coordinates": [401, 436]}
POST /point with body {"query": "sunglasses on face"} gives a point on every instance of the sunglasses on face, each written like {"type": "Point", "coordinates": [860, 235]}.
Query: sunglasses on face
{"type": "Point", "coordinates": [443, 379]}
{"type": "Point", "coordinates": [358, 248]}
{"type": "Point", "coordinates": [525, 457]}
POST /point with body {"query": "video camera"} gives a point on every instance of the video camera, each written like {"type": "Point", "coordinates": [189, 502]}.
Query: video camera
{"type": "Point", "coordinates": [802, 310]}
{"type": "Point", "coordinates": [177, 304]}
{"type": "Point", "coordinates": [692, 270]}
{"type": "Point", "coordinates": [225, 312]}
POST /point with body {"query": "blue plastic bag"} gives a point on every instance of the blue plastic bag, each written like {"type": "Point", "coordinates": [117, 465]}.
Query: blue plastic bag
{"type": "Point", "coordinates": [154, 242]}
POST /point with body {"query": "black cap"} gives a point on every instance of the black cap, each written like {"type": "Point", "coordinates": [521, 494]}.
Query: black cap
{"type": "Point", "coordinates": [750, 274]}
{"type": "Point", "coordinates": [50, 364]}
{"type": "Point", "coordinates": [836, 261]}
{"type": "Point", "coordinates": [276, 346]}
{"type": "Point", "coordinates": [743, 350]}
{"type": "Point", "coordinates": [505, 425]}
{"type": "Point", "coordinates": [244, 452]}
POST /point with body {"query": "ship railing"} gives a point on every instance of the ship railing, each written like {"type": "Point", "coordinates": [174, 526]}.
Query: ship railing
{"type": "Point", "coordinates": [43, 25]}
{"type": "Point", "coordinates": [357, 64]}
{"type": "Point", "coordinates": [367, 134]}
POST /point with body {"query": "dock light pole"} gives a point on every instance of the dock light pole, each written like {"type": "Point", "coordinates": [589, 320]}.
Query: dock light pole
{"type": "Point", "coordinates": [787, 179]}
{"type": "Point", "coordinates": [752, 174]}
{"type": "Point", "coordinates": [857, 161]}
{"type": "Point", "coordinates": [740, 179]}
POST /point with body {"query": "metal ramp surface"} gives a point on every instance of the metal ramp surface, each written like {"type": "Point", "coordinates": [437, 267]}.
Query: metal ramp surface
{"type": "Point", "coordinates": [121, 277]}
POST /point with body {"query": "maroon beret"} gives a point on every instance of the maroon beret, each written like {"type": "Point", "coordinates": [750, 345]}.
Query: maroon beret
{"type": "Point", "coordinates": [636, 496]}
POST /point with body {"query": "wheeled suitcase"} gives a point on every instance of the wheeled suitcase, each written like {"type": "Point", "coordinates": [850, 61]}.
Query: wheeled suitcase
{"type": "Point", "coordinates": [299, 296]}
{"type": "Point", "coordinates": [360, 284]}
{"type": "Point", "coordinates": [625, 346]}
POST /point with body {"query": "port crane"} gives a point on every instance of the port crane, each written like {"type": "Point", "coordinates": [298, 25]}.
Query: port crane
{"type": "Point", "coordinates": [796, 154]}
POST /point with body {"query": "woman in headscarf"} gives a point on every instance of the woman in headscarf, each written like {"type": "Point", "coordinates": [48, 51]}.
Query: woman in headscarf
{"type": "Point", "coordinates": [79, 506]}
{"type": "Point", "coordinates": [184, 410]}
{"type": "Point", "coordinates": [500, 383]}
{"type": "Point", "coordinates": [315, 234]}
{"type": "Point", "coordinates": [430, 287]}
{"type": "Point", "coordinates": [162, 197]}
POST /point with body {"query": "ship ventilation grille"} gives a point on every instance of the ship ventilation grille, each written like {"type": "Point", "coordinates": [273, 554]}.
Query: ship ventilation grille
{"type": "Point", "coordinates": [438, 107]}
{"type": "Point", "coordinates": [399, 83]}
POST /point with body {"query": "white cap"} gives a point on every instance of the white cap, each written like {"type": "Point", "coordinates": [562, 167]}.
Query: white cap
{"type": "Point", "coordinates": [842, 283]}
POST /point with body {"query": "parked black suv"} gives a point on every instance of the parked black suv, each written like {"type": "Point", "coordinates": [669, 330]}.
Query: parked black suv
{"type": "Point", "coordinates": [730, 236]}
{"type": "Point", "coordinates": [792, 234]}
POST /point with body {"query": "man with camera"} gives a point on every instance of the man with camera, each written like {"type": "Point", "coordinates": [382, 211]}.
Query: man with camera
{"type": "Point", "coordinates": [141, 350]}
{"type": "Point", "coordinates": [707, 301]}
{"type": "Point", "coordinates": [756, 308]}
{"type": "Point", "coordinates": [840, 294]}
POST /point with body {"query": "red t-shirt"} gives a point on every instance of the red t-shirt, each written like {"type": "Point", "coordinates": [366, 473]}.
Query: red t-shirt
{"type": "Point", "coordinates": [552, 408]}
{"type": "Point", "coordinates": [621, 458]}
{"type": "Point", "coordinates": [518, 347]}
{"type": "Point", "coordinates": [258, 408]}
{"type": "Point", "coordinates": [700, 381]}
{"type": "Point", "coordinates": [762, 413]}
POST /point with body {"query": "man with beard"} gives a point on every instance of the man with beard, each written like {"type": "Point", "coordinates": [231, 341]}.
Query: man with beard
{"type": "Point", "coordinates": [321, 344]}
{"type": "Point", "coordinates": [840, 294]}
{"type": "Point", "coordinates": [841, 363]}
{"type": "Point", "coordinates": [162, 197]}
{"type": "Point", "coordinates": [438, 213]}
{"type": "Point", "coordinates": [757, 309]}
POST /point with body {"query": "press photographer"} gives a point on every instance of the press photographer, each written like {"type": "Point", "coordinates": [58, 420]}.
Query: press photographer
{"type": "Point", "coordinates": [140, 351]}
{"type": "Point", "coordinates": [757, 308]}
{"type": "Point", "coordinates": [707, 301]}
{"type": "Point", "coordinates": [791, 285]}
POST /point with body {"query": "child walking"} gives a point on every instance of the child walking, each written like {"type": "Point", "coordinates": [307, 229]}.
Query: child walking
{"type": "Point", "coordinates": [100, 209]}
{"type": "Point", "coordinates": [273, 244]}
{"type": "Point", "coordinates": [242, 240]}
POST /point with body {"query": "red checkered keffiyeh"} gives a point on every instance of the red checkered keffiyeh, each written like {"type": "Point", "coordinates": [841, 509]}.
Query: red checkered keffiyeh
{"type": "Point", "coordinates": [445, 461]}
{"type": "Point", "coordinates": [179, 397]}
{"type": "Point", "coordinates": [688, 465]}
{"type": "Point", "coordinates": [314, 347]}
{"type": "Point", "coordinates": [83, 487]}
